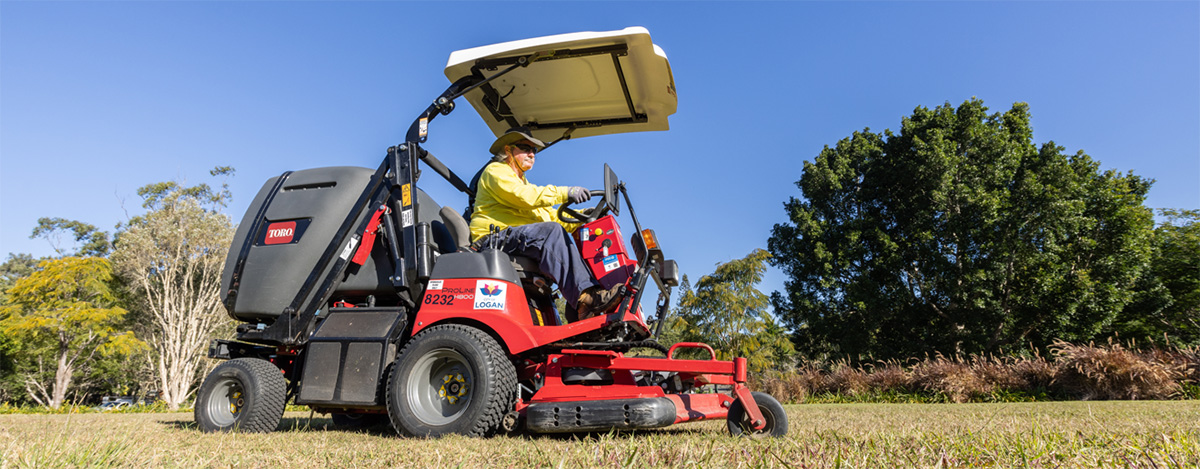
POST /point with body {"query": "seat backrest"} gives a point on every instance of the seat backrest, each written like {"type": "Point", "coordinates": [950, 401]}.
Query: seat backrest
{"type": "Point", "coordinates": [457, 225]}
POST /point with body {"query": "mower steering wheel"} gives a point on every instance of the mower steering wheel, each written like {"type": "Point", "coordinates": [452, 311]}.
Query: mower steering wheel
{"type": "Point", "coordinates": [570, 215]}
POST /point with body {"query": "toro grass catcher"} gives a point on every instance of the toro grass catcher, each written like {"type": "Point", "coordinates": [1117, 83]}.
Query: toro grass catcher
{"type": "Point", "coordinates": [360, 296]}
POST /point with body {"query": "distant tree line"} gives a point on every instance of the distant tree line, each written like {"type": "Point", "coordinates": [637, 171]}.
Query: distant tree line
{"type": "Point", "coordinates": [129, 314]}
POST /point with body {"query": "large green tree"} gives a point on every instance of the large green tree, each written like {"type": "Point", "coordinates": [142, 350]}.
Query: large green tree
{"type": "Point", "coordinates": [1167, 304]}
{"type": "Point", "coordinates": [727, 311]}
{"type": "Point", "coordinates": [171, 257]}
{"type": "Point", "coordinates": [957, 235]}
{"type": "Point", "coordinates": [62, 317]}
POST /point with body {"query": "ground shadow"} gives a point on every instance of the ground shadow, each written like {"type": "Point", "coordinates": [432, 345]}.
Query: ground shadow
{"type": "Point", "coordinates": [296, 424]}
{"type": "Point", "coordinates": [318, 423]}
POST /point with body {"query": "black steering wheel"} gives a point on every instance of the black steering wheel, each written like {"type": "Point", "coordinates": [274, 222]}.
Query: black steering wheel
{"type": "Point", "coordinates": [570, 215]}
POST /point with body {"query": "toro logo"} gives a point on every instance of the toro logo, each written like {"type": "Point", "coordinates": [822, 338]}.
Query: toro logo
{"type": "Point", "coordinates": [489, 294]}
{"type": "Point", "coordinates": [280, 233]}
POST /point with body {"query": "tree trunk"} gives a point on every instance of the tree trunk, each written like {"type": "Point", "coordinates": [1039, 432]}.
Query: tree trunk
{"type": "Point", "coordinates": [62, 379]}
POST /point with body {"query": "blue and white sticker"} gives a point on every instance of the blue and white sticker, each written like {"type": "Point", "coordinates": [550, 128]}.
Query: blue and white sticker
{"type": "Point", "coordinates": [611, 263]}
{"type": "Point", "coordinates": [489, 294]}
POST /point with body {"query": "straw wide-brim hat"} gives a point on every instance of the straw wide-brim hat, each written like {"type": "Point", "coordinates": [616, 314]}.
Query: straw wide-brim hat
{"type": "Point", "coordinates": [514, 135]}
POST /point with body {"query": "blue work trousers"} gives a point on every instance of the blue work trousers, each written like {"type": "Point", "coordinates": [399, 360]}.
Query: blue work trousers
{"type": "Point", "coordinates": [549, 243]}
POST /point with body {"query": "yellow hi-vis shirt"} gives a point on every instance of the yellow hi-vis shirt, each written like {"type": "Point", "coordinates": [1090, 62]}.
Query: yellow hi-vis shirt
{"type": "Point", "coordinates": [504, 199]}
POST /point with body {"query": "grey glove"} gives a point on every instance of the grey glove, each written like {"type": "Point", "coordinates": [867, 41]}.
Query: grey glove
{"type": "Point", "coordinates": [578, 195]}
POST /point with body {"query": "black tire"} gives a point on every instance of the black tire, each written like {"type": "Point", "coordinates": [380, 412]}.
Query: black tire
{"type": "Point", "coordinates": [358, 421]}
{"type": "Point", "coordinates": [243, 395]}
{"type": "Point", "coordinates": [738, 420]}
{"type": "Point", "coordinates": [451, 379]}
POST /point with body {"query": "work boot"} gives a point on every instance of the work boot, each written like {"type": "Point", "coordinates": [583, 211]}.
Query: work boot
{"type": "Point", "coordinates": [596, 301]}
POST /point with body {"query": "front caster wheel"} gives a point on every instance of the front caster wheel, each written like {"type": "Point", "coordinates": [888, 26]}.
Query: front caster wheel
{"type": "Point", "coordinates": [739, 421]}
{"type": "Point", "coordinates": [451, 379]}
{"type": "Point", "coordinates": [244, 394]}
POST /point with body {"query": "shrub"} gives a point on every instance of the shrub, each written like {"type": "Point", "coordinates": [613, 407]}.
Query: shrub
{"type": "Point", "coordinates": [953, 378]}
{"type": "Point", "coordinates": [890, 377]}
{"type": "Point", "coordinates": [1114, 372]}
{"type": "Point", "coordinates": [1075, 372]}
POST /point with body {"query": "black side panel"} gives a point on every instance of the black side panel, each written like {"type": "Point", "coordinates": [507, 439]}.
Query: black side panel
{"type": "Point", "coordinates": [345, 358]}
{"type": "Point", "coordinates": [352, 324]}
{"type": "Point", "coordinates": [553, 417]}
{"type": "Point", "coordinates": [361, 371]}
{"type": "Point", "coordinates": [320, 371]}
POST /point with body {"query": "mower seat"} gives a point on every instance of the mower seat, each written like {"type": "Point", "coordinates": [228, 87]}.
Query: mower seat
{"type": "Point", "coordinates": [457, 225]}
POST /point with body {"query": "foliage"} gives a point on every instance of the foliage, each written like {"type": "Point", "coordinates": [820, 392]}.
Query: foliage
{"type": "Point", "coordinates": [1086, 372]}
{"type": "Point", "coordinates": [171, 258]}
{"type": "Point", "coordinates": [1114, 372]}
{"type": "Point", "coordinates": [1167, 304]}
{"type": "Point", "coordinates": [727, 312]}
{"type": "Point", "coordinates": [61, 316]}
{"type": "Point", "coordinates": [12, 386]}
{"type": "Point", "coordinates": [18, 266]}
{"type": "Point", "coordinates": [957, 235]}
{"type": "Point", "coordinates": [94, 243]}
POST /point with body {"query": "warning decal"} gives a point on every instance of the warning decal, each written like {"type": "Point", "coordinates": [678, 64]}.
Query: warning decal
{"type": "Point", "coordinates": [611, 263]}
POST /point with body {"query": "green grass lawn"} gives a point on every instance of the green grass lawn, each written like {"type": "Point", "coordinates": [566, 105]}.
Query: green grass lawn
{"type": "Point", "coordinates": [1163, 434]}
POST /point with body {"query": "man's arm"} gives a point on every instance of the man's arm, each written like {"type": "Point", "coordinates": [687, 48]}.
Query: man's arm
{"type": "Point", "coordinates": [510, 190]}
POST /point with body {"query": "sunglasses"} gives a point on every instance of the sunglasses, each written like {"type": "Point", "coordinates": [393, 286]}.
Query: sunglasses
{"type": "Point", "coordinates": [527, 148]}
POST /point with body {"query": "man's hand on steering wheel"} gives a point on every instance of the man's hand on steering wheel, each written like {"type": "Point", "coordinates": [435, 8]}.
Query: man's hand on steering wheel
{"type": "Point", "coordinates": [578, 195]}
{"type": "Point", "coordinates": [570, 215]}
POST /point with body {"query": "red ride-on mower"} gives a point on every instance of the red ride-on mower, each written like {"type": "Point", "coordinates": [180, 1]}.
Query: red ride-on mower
{"type": "Point", "coordinates": [361, 297]}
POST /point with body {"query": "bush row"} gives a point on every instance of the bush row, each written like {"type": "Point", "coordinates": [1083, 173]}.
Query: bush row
{"type": "Point", "coordinates": [1084, 372]}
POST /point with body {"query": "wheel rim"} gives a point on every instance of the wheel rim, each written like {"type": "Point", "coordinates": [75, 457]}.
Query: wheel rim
{"type": "Point", "coordinates": [440, 387]}
{"type": "Point", "coordinates": [748, 430]}
{"type": "Point", "coordinates": [226, 402]}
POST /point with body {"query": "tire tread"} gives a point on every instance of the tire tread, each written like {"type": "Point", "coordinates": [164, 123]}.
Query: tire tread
{"type": "Point", "coordinates": [497, 404]}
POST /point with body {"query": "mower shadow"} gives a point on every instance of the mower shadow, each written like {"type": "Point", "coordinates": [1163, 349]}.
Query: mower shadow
{"type": "Point", "coordinates": [325, 424]}
{"type": "Point", "coordinates": [297, 424]}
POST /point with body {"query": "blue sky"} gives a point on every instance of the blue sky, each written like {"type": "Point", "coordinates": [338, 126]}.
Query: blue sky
{"type": "Point", "coordinates": [100, 98]}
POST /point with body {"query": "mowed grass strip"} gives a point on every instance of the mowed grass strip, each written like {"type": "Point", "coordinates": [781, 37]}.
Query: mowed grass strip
{"type": "Point", "coordinates": [1160, 434]}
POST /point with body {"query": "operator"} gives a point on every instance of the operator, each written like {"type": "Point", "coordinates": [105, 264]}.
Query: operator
{"type": "Point", "coordinates": [525, 215]}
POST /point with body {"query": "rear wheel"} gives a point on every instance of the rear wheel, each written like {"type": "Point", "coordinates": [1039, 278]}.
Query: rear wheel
{"type": "Point", "coordinates": [244, 394]}
{"type": "Point", "coordinates": [739, 424]}
{"type": "Point", "coordinates": [451, 379]}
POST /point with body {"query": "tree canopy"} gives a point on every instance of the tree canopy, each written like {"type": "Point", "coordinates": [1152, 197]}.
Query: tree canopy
{"type": "Point", "coordinates": [171, 257]}
{"type": "Point", "coordinates": [64, 310]}
{"type": "Point", "coordinates": [727, 311]}
{"type": "Point", "coordinates": [1167, 304]}
{"type": "Point", "coordinates": [957, 235]}
{"type": "Point", "coordinates": [90, 241]}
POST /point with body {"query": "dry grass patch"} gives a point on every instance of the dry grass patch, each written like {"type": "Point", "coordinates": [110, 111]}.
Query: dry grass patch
{"type": "Point", "coordinates": [1060, 434]}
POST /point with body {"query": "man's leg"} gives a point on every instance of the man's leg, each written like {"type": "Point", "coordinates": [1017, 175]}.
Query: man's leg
{"type": "Point", "coordinates": [557, 257]}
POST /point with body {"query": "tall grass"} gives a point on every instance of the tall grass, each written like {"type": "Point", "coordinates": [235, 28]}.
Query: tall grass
{"type": "Point", "coordinates": [1074, 372]}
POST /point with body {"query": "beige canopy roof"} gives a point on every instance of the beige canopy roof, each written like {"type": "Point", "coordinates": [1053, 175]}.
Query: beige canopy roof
{"type": "Point", "coordinates": [597, 83]}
